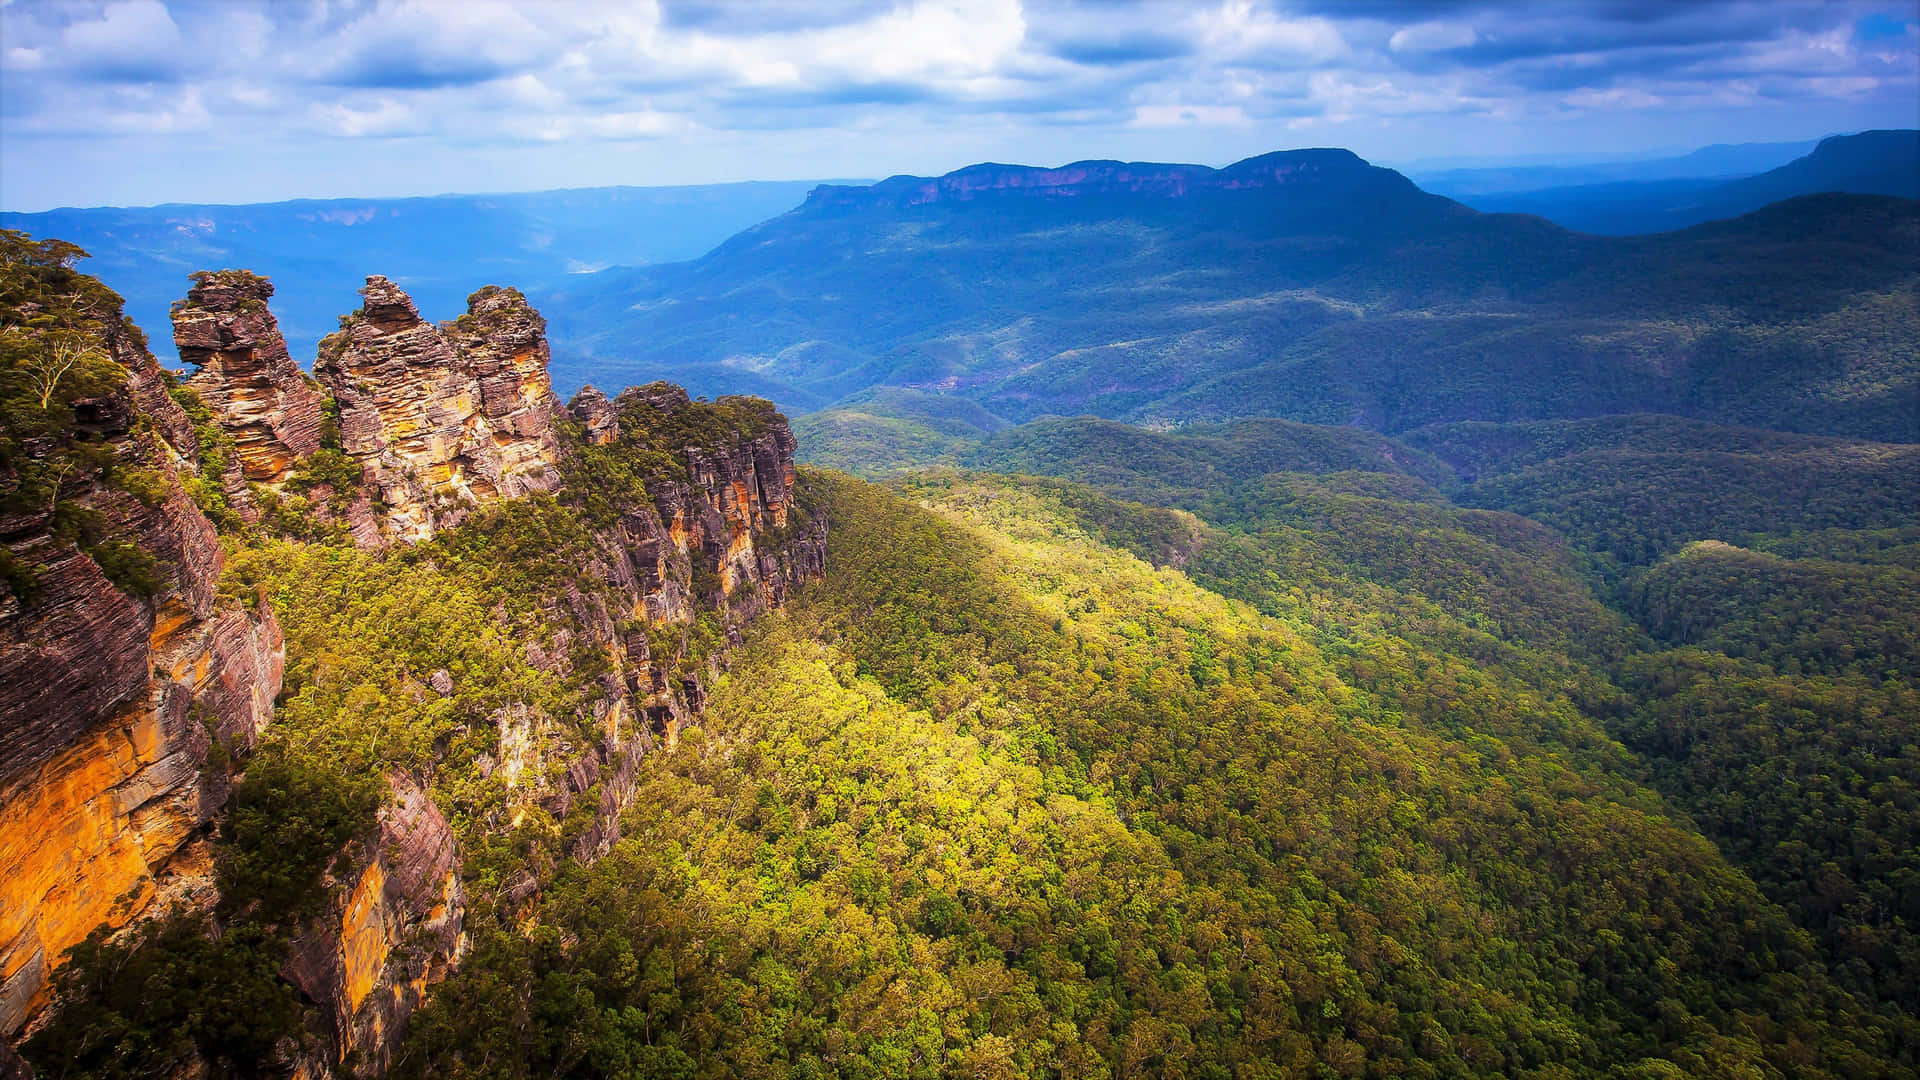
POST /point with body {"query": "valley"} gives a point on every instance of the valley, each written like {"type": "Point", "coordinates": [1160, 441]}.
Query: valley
{"type": "Point", "coordinates": [1223, 624]}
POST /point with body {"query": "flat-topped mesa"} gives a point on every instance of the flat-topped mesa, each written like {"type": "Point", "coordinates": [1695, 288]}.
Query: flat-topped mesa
{"type": "Point", "coordinates": [260, 396]}
{"type": "Point", "coordinates": [443, 418]}
{"type": "Point", "coordinates": [1083, 179]}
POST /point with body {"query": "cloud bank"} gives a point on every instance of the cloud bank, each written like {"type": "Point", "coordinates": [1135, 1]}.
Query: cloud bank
{"type": "Point", "coordinates": [266, 100]}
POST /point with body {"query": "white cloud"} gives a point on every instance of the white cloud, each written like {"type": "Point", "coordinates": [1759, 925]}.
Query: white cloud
{"type": "Point", "coordinates": [426, 43]}
{"type": "Point", "coordinates": [380, 117]}
{"type": "Point", "coordinates": [1165, 116]}
{"type": "Point", "coordinates": [1432, 37]}
{"type": "Point", "coordinates": [133, 40]}
{"type": "Point", "coordinates": [866, 75]}
{"type": "Point", "coordinates": [1240, 31]}
{"type": "Point", "coordinates": [1618, 97]}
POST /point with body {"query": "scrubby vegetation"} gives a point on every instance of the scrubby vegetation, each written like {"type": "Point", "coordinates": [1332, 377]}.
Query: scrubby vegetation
{"type": "Point", "coordinates": [61, 388]}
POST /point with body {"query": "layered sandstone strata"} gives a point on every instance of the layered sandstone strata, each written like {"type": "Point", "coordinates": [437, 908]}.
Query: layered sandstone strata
{"type": "Point", "coordinates": [110, 700]}
{"type": "Point", "coordinates": [256, 391]}
{"type": "Point", "coordinates": [443, 418]}
{"type": "Point", "coordinates": [392, 928]}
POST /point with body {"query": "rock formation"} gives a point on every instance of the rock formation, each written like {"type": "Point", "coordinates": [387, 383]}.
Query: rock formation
{"type": "Point", "coordinates": [727, 538]}
{"type": "Point", "coordinates": [114, 697]}
{"type": "Point", "coordinates": [442, 419]}
{"type": "Point", "coordinates": [245, 376]}
{"type": "Point", "coordinates": [109, 699]}
{"type": "Point", "coordinates": [391, 929]}
{"type": "Point", "coordinates": [595, 412]}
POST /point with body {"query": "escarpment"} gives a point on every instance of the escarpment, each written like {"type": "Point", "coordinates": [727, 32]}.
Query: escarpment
{"type": "Point", "coordinates": [442, 419]}
{"type": "Point", "coordinates": [139, 670]}
{"type": "Point", "coordinates": [120, 666]}
{"type": "Point", "coordinates": [713, 539]}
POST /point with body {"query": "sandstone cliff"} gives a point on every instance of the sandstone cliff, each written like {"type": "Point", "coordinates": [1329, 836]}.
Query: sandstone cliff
{"type": "Point", "coordinates": [714, 539]}
{"type": "Point", "coordinates": [118, 669]}
{"type": "Point", "coordinates": [443, 419]}
{"type": "Point", "coordinates": [256, 391]}
{"type": "Point", "coordinates": [392, 928]}
{"type": "Point", "coordinates": [130, 688]}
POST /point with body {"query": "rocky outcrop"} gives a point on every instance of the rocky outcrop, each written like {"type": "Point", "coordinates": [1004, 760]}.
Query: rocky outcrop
{"type": "Point", "coordinates": [443, 418]}
{"type": "Point", "coordinates": [720, 534]}
{"type": "Point", "coordinates": [502, 343]}
{"type": "Point", "coordinates": [256, 391]}
{"type": "Point", "coordinates": [111, 698]}
{"type": "Point", "coordinates": [724, 536]}
{"type": "Point", "coordinates": [393, 927]}
{"type": "Point", "coordinates": [123, 698]}
{"type": "Point", "coordinates": [595, 413]}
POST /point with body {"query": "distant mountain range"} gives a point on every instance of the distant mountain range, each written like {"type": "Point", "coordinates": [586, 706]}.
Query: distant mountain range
{"type": "Point", "coordinates": [1306, 284]}
{"type": "Point", "coordinates": [1706, 163]}
{"type": "Point", "coordinates": [319, 251]}
{"type": "Point", "coordinates": [1870, 163]}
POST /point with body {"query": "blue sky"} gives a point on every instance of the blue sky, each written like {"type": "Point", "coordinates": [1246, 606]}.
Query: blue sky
{"type": "Point", "coordinates": [140, 101]}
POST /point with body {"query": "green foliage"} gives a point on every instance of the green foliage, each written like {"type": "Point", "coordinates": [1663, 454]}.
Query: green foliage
{"type": "Point", "coordinates": [288, 823]}
{"type": "Point", "coordinates": [18, 577]}
{"type": "Point", "coordinates": [1812, 783]}
{"type": "Point", "coordinates": [174, 994]}
{"type": "Point", "coordinates": [58, 335]}
{"type": "Point", "coordinates": [996, 799]}
{"type": "Point", "coordinates": [1796, 616]}
{"type": "Point", "coordinates": [329, 423]}
{"type": "Point", "coordinates": [216, 452]}
{"type": "Point", "coordinates": [870, 445]}
{"type": "Point", "coordinates": [331, 468]}
{"type": "Point", "coordinates": [132, 569]}
{"type": "Point", "coordinates": [1631, 507]}
{"type": "Point", "coordinates": [657, 417]}
{"type": "Point", "coordinates": [1186, 466]}
{"type": "Point", "coordinates": [365, 631]}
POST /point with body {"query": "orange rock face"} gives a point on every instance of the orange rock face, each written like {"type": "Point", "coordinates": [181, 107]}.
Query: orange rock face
{"type": "Point", "coordinates": [87, 836]}
{"type": "Point", "coordinates": [109, 702]}
{"type": "Point", "coordinates": [395, 928]}
{"type": "Point", "coordinates": [363, 936]}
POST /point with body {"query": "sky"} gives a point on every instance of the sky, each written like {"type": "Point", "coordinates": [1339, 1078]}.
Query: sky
{"type": "Point", "coordinates": [136, 102]}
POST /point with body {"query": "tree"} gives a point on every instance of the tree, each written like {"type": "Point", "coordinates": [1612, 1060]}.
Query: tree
{"type": "Point", "coordinates": [65, 351]}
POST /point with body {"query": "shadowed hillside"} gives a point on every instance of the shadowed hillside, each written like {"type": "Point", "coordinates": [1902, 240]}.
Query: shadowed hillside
{"type": "Point", "coordinates": [1305, 284]}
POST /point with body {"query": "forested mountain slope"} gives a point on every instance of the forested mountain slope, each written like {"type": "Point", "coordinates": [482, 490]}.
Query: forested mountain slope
{"type": "Point", "coordinates": [478, 736]}
{"type": "Point", "coordinates": [1730, 603]}
{"type": "Point", "coordinates": [1303, 284]}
